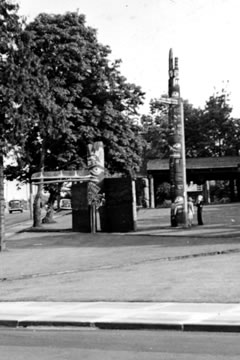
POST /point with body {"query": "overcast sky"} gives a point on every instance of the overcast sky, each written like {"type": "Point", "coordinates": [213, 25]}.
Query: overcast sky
{"type": "Point", "coordinates": [203, 35]}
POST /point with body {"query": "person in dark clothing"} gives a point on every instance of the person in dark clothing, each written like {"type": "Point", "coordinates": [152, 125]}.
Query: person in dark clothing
{"type": "Point", "coordinates": [176, 211]}
{"type": "Point", "coordinates": [199, 205]}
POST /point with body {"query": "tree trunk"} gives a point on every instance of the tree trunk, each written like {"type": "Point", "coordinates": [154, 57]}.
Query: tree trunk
{"type": "Point", "coordinates": [31, 200]}
{"type": "Point", "coordinates": [2, 204]}
{"type": "Point", "coordinates": [48, 219]}
{"type": "Point", "coordinates": [37, 222]}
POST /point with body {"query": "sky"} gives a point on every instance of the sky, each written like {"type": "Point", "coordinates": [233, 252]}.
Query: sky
{"type": "Point", "coordinates": [202, 33]}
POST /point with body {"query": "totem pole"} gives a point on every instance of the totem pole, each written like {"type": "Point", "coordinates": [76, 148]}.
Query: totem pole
{"type": "Point", "coordinates": [177, 160]}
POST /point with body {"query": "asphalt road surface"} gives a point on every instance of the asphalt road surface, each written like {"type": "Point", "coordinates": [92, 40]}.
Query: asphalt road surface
{"type": "Point", "coordinates": [16, 218]}
{"type": "Point", "coordinates": [69, 344]}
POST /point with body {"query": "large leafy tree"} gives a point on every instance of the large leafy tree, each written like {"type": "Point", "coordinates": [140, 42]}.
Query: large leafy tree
{"type": "Point", "coordinates": [74, 96]}
{"type": "Point", "coordinates": [96, 101]}
{"type": "Point", "coordinates": [40, 116]}
{"type": "Point", "coordinates": [156, 131]}
{"type": "Point", "coordinates": [220, 128]}
{"type": "Point", "coordinates": [211, 131]}
{"type": "Point", "coordinates": [10, 126]}
{"type": "Point", "coordinates": [195, 138]}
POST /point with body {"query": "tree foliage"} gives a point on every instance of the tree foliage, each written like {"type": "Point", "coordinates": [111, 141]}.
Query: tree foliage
{"type": "Point", "coordinates": [221, 128]}
{"type": "Point", "coordinates": [209, 132]}
{"type": "Point", "coordinates": [76, 96]}
{"type": "Point", "coordinates": [71, 95]}
{"type": "Point", "coordinates": [195, 139]}
{"type": "Point", "coordinates": [10, 29]}
{"type": "Point", "coordinates": [156, 131]}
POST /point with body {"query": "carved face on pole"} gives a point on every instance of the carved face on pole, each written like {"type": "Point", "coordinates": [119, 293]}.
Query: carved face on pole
{"type": "Point", "coordinates": [175, 146]}
{"type": "Point", "coordinates": [175, 90]}
{"type": "Point", "coordinates": [95, 159]}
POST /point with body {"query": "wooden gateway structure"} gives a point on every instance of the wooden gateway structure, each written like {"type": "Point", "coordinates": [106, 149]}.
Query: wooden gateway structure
{"type": "Point", "coordinates": [98, 203]}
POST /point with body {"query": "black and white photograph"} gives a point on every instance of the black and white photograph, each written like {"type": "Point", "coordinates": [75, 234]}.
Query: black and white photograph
{"type": "Point", "coordinates": [119, 180]}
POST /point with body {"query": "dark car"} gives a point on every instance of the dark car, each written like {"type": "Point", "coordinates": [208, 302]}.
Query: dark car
{"type": "Point", "coordinates": [65, 204]}
{"type": "Point", "coordinates": [15, 205]}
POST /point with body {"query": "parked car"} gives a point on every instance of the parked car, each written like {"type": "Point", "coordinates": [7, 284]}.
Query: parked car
{"type": "Point", "coordinates": [65, 204]}
{"type": "Point", "coordinates": [15, 205]}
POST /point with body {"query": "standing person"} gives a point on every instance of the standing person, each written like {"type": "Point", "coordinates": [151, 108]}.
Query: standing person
{"type": "Point", "coordinates": [176, 211]}
{"type": "Point", "coordinates": [190, 211]}
{"type": "Point", "coordinates": [199, 205]}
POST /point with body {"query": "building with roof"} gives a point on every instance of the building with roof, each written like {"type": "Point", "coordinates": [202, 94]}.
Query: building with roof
{"type": "Point", "coordinates": [200, 171]}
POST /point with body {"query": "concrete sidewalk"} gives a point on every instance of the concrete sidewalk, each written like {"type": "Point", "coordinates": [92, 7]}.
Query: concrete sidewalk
{"type": "Point", "coordinates": [122, 315]}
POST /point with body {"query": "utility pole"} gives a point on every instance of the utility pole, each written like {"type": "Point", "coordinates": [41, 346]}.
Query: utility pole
{"type": "Point", "coordinates": [177, 158]}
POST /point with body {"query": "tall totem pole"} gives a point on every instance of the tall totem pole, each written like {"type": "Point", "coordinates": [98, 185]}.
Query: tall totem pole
{"type": "Point", "coordinates": [177, 160]}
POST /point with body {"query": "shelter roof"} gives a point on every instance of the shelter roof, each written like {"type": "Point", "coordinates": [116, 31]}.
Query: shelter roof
{"type": "Point", "coordinates": [63, 176]}
{"type": "Point", "coordinates": [197, 163]}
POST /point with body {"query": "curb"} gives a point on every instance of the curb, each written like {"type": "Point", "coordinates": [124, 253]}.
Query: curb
{"type": "Point", "coordinates": [137, 326]}
{"type": "Point", "coordinates": [212, 327]}
{"type": "Point", "coordinates": [9, 323]}
{"type": "Point", "coordinates": [43, 230]}
{"type": "Point", "coordinates": [122, 325]}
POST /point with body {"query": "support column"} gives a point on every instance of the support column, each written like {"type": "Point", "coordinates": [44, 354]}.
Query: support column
{"type": "Point", "coordinates": [151, 189]}
{"type": "Point", "coordinates": [31, 200]}
{"type": "Point", "coordinates": [238, 188]}
{"type": "Point", "coordinates": [206, 191]}
{"type": "Point", "coordinates": [134, 205]}
{"type": "Point", "coordinates": [146, 192]}
{"type": "Point", "coordinates": [232, 190]}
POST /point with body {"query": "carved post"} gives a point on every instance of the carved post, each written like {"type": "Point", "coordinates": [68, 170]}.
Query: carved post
{"type": "Point", "coordinates": [177, 161]}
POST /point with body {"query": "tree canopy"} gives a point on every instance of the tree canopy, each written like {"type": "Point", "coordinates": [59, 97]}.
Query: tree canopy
{"type": "Point", "coordinates": [74, 96]}
{"type": "Point", "coordinates": [156, 131]}
{"type": "Point", "coordinates": [10, 134]}
{"type": "Point", "coordinates": [64, 93]}
{"type": "Point", "coordinates": [210, 131]}
{"type": "Point", "coordinates": [10, 28]}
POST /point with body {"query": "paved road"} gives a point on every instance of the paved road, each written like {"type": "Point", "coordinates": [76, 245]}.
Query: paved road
{"type": "Point", "coordinates": [16, 218]}
{"type": "Point", "coordinates": [117, 345]}
{"type": "Point", "coordinates": [16, 221]}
